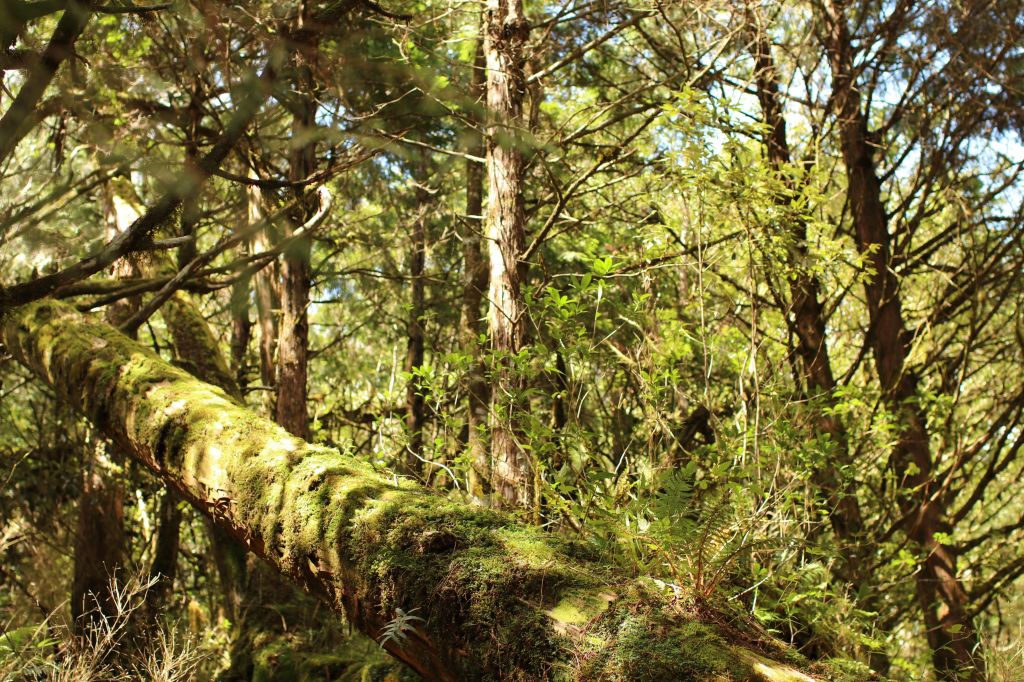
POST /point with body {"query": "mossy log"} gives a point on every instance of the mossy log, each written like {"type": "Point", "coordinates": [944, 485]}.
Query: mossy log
{"type": "Point", "coordinates": [498, 600]}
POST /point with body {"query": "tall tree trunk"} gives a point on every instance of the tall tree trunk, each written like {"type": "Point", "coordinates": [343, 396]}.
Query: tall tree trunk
{"type": "Point", "coordinates": [164, 567]}
{"type": "Point", "coordinates": [415, 404]}
{"type": "Point", "coordinates": [807, 321]}
{"type": "Point", "coordinates": [954, 642]}
{"type": "Point", "coordinates": [100, 536]}
{"type": "Point", "coordinates": [241, 329]}
{"type": "Point", "coordinates": [293, 339]}
{"type": "Point", "coordinates": [498, 600]}
{"type": "Point", "coordinates": [512, 470]}
{"type": "Point", "coordinates": [265, 285]}
{"type": "Point", "coordinates": [99, 544]}
{"type": "Point", "coordinates": [474, 284]}
{"type": "Point", "coordinates": [190, 204]}
{"type": "Point", "coordinates": [808, 324]}
{"type": "Point", "coordinates": [123, 212]}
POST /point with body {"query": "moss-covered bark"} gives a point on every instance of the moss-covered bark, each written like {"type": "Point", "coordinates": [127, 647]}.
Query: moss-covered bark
{"type": "Point", "coordinates": [500, 601]}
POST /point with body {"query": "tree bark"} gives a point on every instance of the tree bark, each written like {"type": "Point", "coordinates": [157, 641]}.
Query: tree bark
{"type": "Point", "coordinates": [951, 635]}
{"type": "Point", "coordinates": [512, 470]}
{"type": "Point", "coordinates": [474, 284]}
{"type": "Point", "coordinates": [267, 302]}
{"type": "Point", "coordinates": [241, 329]}
{"type": "Point", "coordinates": [99, 546]}
{"type": "Point", "coordinates": [164, 567]}
{"type": "Point", "coordinates": [293, 339]}
{"type": "Point", "coordinates": [499, 600]}
{"type": "Point", "coordinates": [807, 321]}
{"type": "Point", "coordinates": [100, 538]}
{"type": "Point", "coordinates": [415, 404]}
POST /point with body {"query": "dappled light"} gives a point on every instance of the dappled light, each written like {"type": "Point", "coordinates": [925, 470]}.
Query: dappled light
{"type": "Point", "coordinates": [500, 340]}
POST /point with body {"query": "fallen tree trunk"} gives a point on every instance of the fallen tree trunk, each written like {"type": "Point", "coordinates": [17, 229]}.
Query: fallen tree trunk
{"type": "Point", "coordinates": [498, 600]}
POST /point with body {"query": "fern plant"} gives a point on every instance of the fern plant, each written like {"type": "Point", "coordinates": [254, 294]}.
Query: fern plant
{"type": "Point", "coordinates": [396, 629]}
{"type": "Point", "coordinates": [695, 534]}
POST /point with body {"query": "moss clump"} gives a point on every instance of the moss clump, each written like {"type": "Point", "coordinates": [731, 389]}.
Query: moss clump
{"type": "Point", "coordinates": [845, 670]}
{"type": "Point", "coordinates": [675, 653]}
{"type": "Point", "coordinates": [465, 570]}
{"type": "Point", "coordinates": [577, 608]}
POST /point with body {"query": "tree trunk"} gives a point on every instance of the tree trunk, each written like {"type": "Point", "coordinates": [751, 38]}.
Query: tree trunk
{"type": "Point", "coordinates": [954, 642]}
{"type": "Point", "coordinates": [99, 545]}
{"type": "Point", "coordinates": [293, 338]}
{"type": "Point", "coordinates": [164, 567]}
{"type": "Point", "coordinates": [498, 600]}
{"type": "Point", "coordinates": [474, 283]}
{"type": "Point", "coordinates": [100, 537]}
{"type": "Point", "coordinates": [512, 470]}
{"type": "Point", "coordinates": [807, 320]}
{"type": "Point", "coordinates": [267, 301]}
{"type": "Point", "coordinates": [241, 329]}
{"type": "Point", "coordinates": [415, 404]}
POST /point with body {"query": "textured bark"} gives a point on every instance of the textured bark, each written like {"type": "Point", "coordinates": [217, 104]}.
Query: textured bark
{"type": "Point", "coordinates": [293, 341]}
{"type": "Point", "coordinates": [499, 600]}
{"type": "Point", "coordinates": [267, 301]}
{"type": "Point", "coordinates": [474, 284]}
{"type": "Point", "coordinates": [99, 546]}
{"type": "Point", "coordinates": [195, 347]}
{"type": "Point", "coordinates": [512, 470]}
{"type": "Point", "coordinates": [293, 338]}
{"type": "Point", "coordinates": [241, 329]}
{"type": "Point", "coordinates": [954, 642]}
{"type": "Point", "coordinates": [164, 567]}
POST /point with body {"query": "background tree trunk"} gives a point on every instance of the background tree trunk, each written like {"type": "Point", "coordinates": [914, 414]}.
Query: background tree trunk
{"type": "Point", "coordinates": [807, 320]}
{"type": "Point", "coordinates": [415, 404]}
{"type": "Point", "coordinates": [100, 535]}
{"type": "Point", "coordinates": [954, 642]}
{"type": "Point", "coordinates": [474, 284]}
{"type": "Point", "coordinates": [512, 470]}
{"type": "Point", "coordinates": [265, 293]}
{"type": "Point", "coordinates": [99, 544]}
{"type": "Point", "coordinates": [293, 339]}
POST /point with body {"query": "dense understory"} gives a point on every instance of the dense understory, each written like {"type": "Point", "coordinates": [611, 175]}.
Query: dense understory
{"type": "Point", "coordinates": [498, 599]}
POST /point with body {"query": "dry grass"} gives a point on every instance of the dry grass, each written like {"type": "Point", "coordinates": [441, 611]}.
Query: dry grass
{"type": "Point", "coordinates": [111, 650]}
{"type": "Point", "coordinates": [1004, 657]}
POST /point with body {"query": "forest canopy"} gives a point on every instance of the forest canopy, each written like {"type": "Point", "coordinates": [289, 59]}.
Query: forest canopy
{"type": "Point", "coordinates": [507, 340]}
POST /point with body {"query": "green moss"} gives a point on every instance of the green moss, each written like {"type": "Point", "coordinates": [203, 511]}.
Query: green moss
{"type": "Point", "coordinates": [579, 607]}
{"type": "Point", "coordinates": [652, 648]}
{"type": "Point", "coordinates": [845, 670]}
{"type": "Point", "coordinates": [193, 341]}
